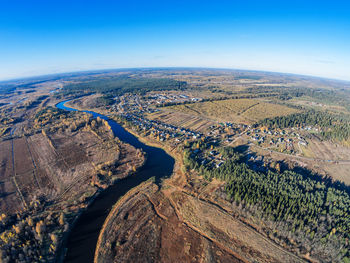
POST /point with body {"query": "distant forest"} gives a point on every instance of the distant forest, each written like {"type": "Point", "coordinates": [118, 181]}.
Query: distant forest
{"type": "Point", "coordinates": [118, 85]}
{"type": "Point", "coordinates": [338, 97]}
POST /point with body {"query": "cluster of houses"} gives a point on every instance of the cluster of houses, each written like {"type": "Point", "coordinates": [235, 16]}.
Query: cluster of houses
{"type": "Point", "coordinates": [226, 130]}
{"type": "Point", "coordinates": [160, 129]}
{"type": "Point", "coordinates": [134, 102]}
{"type": "Point", "coordinates": [256, 163]}
{"type": "Point", "coordinates": [211, 159]}
{"type": "Point", "coordinates": [275, 138]}
{"type": "Point", "coordinates": [163, 98]}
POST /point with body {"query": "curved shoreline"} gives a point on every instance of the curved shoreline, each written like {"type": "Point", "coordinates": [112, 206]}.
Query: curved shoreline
{"type": "Point", "coordinates": [112, 214]}
{"type": "Point", "coordinates": [82, 240]}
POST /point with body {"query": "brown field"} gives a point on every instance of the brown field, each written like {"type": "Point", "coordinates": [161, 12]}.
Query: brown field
{"type": "Point", "coordinates": [234, 110]}
{"type": "Point", "coordinates": [186, 221]}
{"type": "Point", "coordinates": [267, 110]}
{"type": "Point", "coordinates": [340, 172]}
{"type": "Point", "coordinates": [336, 158]}
{"type": "Point", "coordinates": [148, 225]}
{"type": "Point", "coordinates": [144, 227]}
{"type": "Point", "coordinates": [8, 187]}
{"type": "Point", "coordinates": [6, 167]}
{"type": "Point", "coordinates": [23, 160]}
{"type": "Point", "coordinates": [326, 150]}
{"type": "Point", "coordinates": [54, 166]}
{"type": "Point", "coordinates": [196, 123]}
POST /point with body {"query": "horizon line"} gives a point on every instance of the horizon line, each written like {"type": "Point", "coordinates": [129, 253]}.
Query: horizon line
{"type": "Point", "coordinates": [2, 81]}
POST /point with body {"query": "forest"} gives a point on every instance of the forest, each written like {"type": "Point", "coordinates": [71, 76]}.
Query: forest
{"type": "Point", "coordinates": [339, 96]}
{"type": "Point", "coordinates": [118, 85]}
{"type": "Point", "coordinates": [302, 211]}
{"type": "Point", "coordinates": [334, 126]}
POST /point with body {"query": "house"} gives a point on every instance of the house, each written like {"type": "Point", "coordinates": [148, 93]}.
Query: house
{"type": "Point", "coordinates": [219, 164]}
{"type": "Point", "coordinates": [304, 143]}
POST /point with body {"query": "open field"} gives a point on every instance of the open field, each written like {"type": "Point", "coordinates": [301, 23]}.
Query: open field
{"type": "Point", "coordinates": [50, 165]}
{"type": "Point", "coordinates": [235, 110]}
{"type": "Point", "coordinates": [6, 165]}
{"type": "Point", "coordinates": [326, 150]}
{"type": "Point", "coordinates": [193, 122]}
{"type": "Point", "coordinates": [317, 104]}
{"type": "Point", "coordinates": [340, 172]}
{"type": "Point", "coordinates": [266, 110]}
{"type": "Point", "coordinates": [145, 216]}
{"type": "Point", "coordinates": [174, 223]}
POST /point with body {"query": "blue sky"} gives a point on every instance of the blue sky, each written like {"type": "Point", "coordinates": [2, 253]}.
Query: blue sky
{"type": "Point", "coordinates": [49, 36]}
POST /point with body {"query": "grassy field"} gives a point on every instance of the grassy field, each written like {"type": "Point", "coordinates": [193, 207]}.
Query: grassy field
{"type": "Point", "coordinates": [193, 122]}
{"type": "Point", "coordinates": [234, 110]}
{"type": "Point", "coordinates": [326, 150]}
{"type": "Point", "coordinates": [314, 103]}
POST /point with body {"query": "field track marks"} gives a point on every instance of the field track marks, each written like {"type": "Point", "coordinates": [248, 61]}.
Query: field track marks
{"type": "Point", "coordinates": [189, 108]}
{"type": "Point", "coordinates": [244, 229]}
{"type": "Point", "coordinates": [224, 106]}
{"type": "Point", "coordinates": [35, 171]}
{"type": "Point", "coordinates": [55, 151]}
{"type": "Point", "coordinates": [71, 185]}
{"type": "Point", "coordinates": [201, 233]}
{"type": "Point", "coordinates": [14, 178]}
{"type": "Point", "coordinates": [246, 109]}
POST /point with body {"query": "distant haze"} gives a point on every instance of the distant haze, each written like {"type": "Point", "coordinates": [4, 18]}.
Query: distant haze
{"type": "Point", "coordinates": [303, 37]}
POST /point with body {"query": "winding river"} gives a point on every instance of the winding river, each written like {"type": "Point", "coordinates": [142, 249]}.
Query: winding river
{"type": "Point", "coordinates": [83, 237]}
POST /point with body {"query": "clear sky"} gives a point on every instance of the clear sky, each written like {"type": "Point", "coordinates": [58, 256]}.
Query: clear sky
{"type": "Point", "coordinates": [296, 36]}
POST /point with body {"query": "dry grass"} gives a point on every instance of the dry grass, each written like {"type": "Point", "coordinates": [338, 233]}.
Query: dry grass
{"type": "Point", "coordinates": [196, 123]}
{"type": "Point", "coordinates": [267, 110]}
{"type": "Point", "coordinates": [50, 166]}
{"type": "Point", "coordinates": [340, 172]}
{"type": "Point", "coordinates": [234, 110]}
{"type": "Point", "coordinates": [220, 227]}
{"type": "Point", "coordinates": [326, 150]}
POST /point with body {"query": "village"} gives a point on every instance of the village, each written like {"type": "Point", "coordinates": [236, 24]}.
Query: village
{"type": "Point", "coordinates": [132, 102]}
{"type": "Point", "coordinates": [286, 140]}
{"type": "Point", "coordinates": [133, 108]}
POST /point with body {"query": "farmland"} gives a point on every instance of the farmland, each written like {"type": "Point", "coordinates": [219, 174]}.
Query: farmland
{"type": "Point", "coordinates": [245, 111]}
{"type": "Point", "coordinates": [56, 166]}
{"type": "Point", "coordinates": [188, 121]}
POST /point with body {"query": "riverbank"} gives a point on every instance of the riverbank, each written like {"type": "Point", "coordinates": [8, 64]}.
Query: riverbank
{"type": "Point", "coordinates": [157, 164]}
{"type": "Point", "coordinates": [122, 174]}
{"type": "Point", "coordinates": [172, 151]}
{"type": "Point", "coordinates": [101, 243]}
{"type": "Point", "coordinates": [124, 169]}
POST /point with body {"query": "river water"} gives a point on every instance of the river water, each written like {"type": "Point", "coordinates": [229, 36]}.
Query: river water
{"type": "Point", "coordinates": [83, 237]}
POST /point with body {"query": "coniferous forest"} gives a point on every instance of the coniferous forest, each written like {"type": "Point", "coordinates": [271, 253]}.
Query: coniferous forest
{"type": "Point", "coordinates": [332, 126]}
{"type": "Point", "coordinates": [118, 85]}
{"type": "Point", "coordinates": [303, 211]}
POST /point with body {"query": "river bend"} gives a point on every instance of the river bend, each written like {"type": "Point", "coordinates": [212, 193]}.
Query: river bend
{"type": "Point", "coordinates": [83, 237]}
